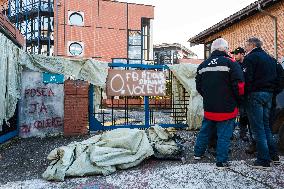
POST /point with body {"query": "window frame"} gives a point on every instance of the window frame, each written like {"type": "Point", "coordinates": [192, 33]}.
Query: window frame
{"type": "Point", "coordinates": [77, 42]}
{"type": "Point", "coordinates": [70, 13]}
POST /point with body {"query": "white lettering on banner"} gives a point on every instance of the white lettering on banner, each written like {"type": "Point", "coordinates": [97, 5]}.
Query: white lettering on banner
{"type": "Point", "coordinates": [136, 83]}
{"type": "Point", "coordinates": [122, 86]}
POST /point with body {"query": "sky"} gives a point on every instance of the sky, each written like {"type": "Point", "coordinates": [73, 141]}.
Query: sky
{"type": "Point", "coordinates": [178, 20]}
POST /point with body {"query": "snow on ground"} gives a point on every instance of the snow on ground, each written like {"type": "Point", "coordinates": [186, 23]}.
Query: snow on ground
{"type": "Point", "coordinates": [172, 176]}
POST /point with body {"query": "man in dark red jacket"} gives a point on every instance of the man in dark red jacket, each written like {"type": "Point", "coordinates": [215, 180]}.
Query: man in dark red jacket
{"type": "Point", "coordinates": [220, 82]}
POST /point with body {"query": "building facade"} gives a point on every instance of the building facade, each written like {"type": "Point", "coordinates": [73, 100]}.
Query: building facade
{"type": "Point", "coordinates": [257, 19]}
{"type": "Point", "coordinates": [106, 30]}
{"type": "Point", "coordinates": [103, 29]}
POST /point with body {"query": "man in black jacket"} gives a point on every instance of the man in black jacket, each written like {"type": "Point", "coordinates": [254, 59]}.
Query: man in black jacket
{"type": "Point", "coordinates": [261, 82]}
{"type": "Point", "coordinates": [239, 55]}
{"type": "Point", "coordinates": [220, 82]}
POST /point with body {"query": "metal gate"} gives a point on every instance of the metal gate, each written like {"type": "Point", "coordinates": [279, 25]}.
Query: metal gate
{"type": "Point", "coordinates": [143, 112]}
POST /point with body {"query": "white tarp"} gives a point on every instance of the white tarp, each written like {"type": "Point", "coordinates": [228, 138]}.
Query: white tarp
{"type": "Point", "coordinates": [184, 74]}
{"type": "Point", "coordinates": [162, 142]}
{"type": "Point", "coordinates": [112, 150]}
{"type": "Point", "coordinates": [14, 59]}
{"type": "Point", "coordinates": [10, 78]}
{"type": "Point", "coordinates": [102, 154]}
{"type": "Point", "coordinates": [89, 70]}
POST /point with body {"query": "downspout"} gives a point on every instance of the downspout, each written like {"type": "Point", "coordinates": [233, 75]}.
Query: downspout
{"type": "Point", "coordinates": [275, 29]}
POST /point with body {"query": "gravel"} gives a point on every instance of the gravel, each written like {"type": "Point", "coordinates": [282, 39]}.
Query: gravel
{"type": "Point", "coordinates": [135, 116]}
{"type": "Point", "coordinates": [22, 161]}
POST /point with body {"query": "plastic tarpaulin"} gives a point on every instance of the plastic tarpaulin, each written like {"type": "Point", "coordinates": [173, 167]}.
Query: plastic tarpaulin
{"type": "Point", "coordinates": [104, 154]}
{"type": "Point", "coordinates": [101, 154]}
{"type": "Point", "coordinates": [184, 74]}
{"type": "Point", "coordinates": [10, 78]}
{"type": "Point", "coordinates": [89, 70]}
{"type": "Point", "coordinates": [13, 60]}
{"type": "Point", "coordinates": [163, 143]}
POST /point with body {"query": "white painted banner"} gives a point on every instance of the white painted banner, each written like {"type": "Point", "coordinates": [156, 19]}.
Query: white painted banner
{"type": "Point", "coordinates": [136, 83]}
{"type": "Point", "coordinates": [41, 106]}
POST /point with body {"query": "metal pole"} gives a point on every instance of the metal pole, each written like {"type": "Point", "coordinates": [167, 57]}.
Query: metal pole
{"type": "Point", "coordinates": [91, 108]}
{"type": "Point", "coordinates": [9, 9]}
{"type": "Point", "coordinates": [26, 18]}
{"type": "Point", "coordinates": [48, 27]}
{"type": "Point", "coordinates": [17, 13]}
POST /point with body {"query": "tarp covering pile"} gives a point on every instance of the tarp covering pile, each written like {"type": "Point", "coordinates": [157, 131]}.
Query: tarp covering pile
{"type": "Point", "coordinates": [102, 154]}
{"type": "Point", "coordinates": [184, 77]}
{"type": "Point", "coordinates": [10, 78]}
{"type": "Point", "coordinates": [14, 60]}
{"type": "Point", "coordinates": [105, 153]}
{"type": "Point", "coordinates": [164, 143]}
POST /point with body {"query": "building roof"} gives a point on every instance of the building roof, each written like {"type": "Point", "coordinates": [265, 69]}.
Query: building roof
{"type": "Point", "coordinates": [231, 20]}
{"type": "Point", "coordinates": [174, 45]}
{"type": "Point", "coordinates": [8, 29]}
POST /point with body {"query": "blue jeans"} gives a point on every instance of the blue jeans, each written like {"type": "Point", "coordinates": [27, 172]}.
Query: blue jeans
{"type": "Point", "coordinates": [258, 110]}
{"type": "Point", "coordinates": [224, 132]}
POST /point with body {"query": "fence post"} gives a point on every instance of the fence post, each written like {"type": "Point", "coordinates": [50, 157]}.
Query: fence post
{"type": "Point", "coordinates": [147, 112]}
{"type": "Point", "coordinates": [91, 108]}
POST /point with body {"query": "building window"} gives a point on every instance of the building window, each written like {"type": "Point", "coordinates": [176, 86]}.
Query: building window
{"type": "Point", "coordinates": [146, 38]}
{"type": "Point", "coordinates": [140, 46]}
{"type": "Point", "coordinates": [134, 47]}
{"type": "Point", "coordinates": [76, 18]}
{"type": "Point", "coordinates": [75, 49]}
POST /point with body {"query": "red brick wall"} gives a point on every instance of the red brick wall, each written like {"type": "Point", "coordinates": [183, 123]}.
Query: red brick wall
{"type": "Point", "coordinates": [136, 13]}
{"type": "Point", "coordinates": [64, 32]}
{"type": "Point", "coordinates": [76, 105]}
{"type": "Point", "coordinates": [13, 32]}
{"type": "Point", "coordinates": [104, 35]}
{"type": "Point", "coordinates": [259, 25]}
{"type": "Point", "coordinates": [105, 32]}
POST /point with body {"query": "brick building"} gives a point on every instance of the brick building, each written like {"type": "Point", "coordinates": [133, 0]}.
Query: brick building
{"type": "Point", "coordinates": [100, 29]}
{"type": "Point", "coordinates": [103, 29]}
{"type": "Point", "coordinates": [257, 20]}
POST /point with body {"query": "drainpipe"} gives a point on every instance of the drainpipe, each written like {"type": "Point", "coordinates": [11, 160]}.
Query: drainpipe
{"type": "Point", "coordinates": [275, 29]}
